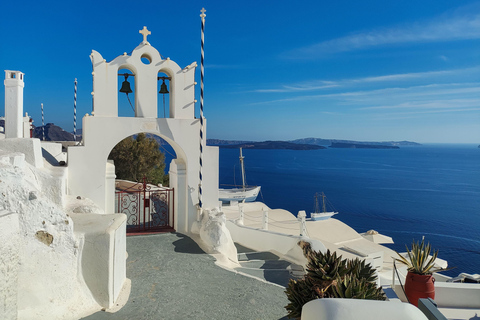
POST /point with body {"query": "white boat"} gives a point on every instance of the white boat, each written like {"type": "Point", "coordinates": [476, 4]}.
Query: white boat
{"type": "Point", "coordinates": [323, 215]}
{"type": "Point", "coordinates": [245, 193]}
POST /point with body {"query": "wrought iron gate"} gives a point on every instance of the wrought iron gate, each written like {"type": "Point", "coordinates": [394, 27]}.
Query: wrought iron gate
{"type": "Point", "coordinates": [148, 207]}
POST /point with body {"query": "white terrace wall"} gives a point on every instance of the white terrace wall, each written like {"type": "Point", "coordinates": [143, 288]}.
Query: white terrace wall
{"type": "Point", "coordinates": [104, 129]}
{"type": "Point", "coordinates": [285, 245]}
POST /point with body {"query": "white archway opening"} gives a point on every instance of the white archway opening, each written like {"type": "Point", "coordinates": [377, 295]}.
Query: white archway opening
{"type": "Point", "coordinates": [150, 202]}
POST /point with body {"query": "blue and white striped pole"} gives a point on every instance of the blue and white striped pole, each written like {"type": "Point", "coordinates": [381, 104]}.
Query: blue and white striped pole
{"type": "Point", "coordinates": [75, 113]}
{"type": "Point", "coordinates": [202, 15]}
{"type": "Point", "coordinates": [43, 126]}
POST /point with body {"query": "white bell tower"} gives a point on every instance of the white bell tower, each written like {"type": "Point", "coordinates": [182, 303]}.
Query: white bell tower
{"type": "Point", "coordinates": [14, 104]}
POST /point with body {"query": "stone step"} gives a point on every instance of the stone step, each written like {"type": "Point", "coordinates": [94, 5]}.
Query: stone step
{"type": "Point", "coordinates": [280, 277]}
{"type": "Point", "coordinates": [266, 264]}
{"type": "Point", "coordinates": [244, 256]}
{"type": "Point", "coordinates": [296, 271]}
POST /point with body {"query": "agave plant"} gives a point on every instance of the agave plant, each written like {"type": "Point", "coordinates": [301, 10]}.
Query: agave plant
{"type": "Point", "coordinates": [298, 293]}
{"type": "Point", "coordinates": [419, 259]}
{"type": "Point", "coordinates": [325, 266]}
{"type": "Point", "coordinates": [351, 287]}
{"type": "Point", "coordinates": [362, 270]}
{"type": "Point", "coordinates": [328, 276]}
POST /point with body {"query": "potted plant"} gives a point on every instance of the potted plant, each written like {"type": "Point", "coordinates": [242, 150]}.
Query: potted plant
{"type": "Point", "coordinates": [419, 282]}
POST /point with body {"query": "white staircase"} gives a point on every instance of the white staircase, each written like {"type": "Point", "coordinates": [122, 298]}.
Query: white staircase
{"type": "Point", "coordinates": [267, 266]}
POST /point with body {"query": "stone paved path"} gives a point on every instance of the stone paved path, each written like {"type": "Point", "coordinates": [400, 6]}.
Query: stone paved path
{"type": "Point", "coordinates": [172, 278]}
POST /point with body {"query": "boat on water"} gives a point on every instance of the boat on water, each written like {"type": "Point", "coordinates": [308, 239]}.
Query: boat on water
{"type": "Point", "coordinates": [321, 215]}
{"type": "Point", "coordinates": [244, 193]}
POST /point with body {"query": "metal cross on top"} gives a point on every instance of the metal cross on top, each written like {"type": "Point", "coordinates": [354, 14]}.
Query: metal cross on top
{"type": "Point", "coordinates": [203, 15]}
{"type": "Point", "coordinates": [145, 33]}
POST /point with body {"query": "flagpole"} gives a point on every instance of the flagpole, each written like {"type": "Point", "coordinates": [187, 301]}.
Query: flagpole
{"type": "Point", "coordinates": [200, 204]}
{"type": "Point", "coordinates": [43, 126]}
{"type": "Point", "coordinates": [75, 114]}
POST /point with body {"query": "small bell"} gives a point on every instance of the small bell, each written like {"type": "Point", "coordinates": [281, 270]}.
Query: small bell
{"type": "Point", "coordinates": [163, 88]}
{"type": "Point", "coordinates": [126, 86]}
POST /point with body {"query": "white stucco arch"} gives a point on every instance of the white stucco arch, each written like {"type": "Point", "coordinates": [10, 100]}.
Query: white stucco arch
{"type": "Point", "coordinates": [104, 129]}
{"type": "Point", "coordinates": [178, 149]}
{"type": "Point", "coordinates": [128, 67]}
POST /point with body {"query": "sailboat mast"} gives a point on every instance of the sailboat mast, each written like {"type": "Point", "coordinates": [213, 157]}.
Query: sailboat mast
{"type": "Point", "coordinates": [243, 169]}
{"type": "Point", "coordinates": [323, 198]}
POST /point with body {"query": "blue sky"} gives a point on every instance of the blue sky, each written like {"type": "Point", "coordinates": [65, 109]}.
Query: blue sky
{"type": "Point", "coordinates": [358, 70]}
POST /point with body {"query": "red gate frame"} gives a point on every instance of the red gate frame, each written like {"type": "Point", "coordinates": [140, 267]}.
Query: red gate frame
{"type": "Point", "coordinates": [128, 202]}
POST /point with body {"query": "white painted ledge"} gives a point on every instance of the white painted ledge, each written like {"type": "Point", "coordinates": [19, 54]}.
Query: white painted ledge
{"type": "Point", "coordinates": [30, 147]}
{"type": "Point", "coordinates": [103, 257]}
{"type": "Point", "coordinates": [355, 309]}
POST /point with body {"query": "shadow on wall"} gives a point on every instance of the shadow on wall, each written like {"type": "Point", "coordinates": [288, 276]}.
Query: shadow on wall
{"type": "Point", "coordinates": [49, 158]}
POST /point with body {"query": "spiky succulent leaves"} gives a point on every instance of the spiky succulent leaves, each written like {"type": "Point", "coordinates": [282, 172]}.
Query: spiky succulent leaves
{"type": "Point", "coordinates": [361, 269]}
{"type": "Point", "coordinates": [298, 293]}
{"type": "Point", "coordinates": [419, 260]}
{"type": "Point", "coordinates": [325, 266]}
{"type": "Point", "coordinates": [351, 287]}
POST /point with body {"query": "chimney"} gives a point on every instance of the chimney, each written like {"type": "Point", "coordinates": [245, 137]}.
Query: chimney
{"type": "Point", "coordinates": [14, 104]}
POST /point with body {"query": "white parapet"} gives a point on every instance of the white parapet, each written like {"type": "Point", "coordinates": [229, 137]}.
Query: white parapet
{"type": "Point", "coordinates": [356, 309]}
{"type": "Point", "coordinates": [104, 254]}
{"type": "Point", "coordinates": [282, 244]}
{"type": "Point", "coordinates": [30, 147]}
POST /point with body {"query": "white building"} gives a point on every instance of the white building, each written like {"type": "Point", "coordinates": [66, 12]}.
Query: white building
{"type": "Point", "coordinates": [63, 246]}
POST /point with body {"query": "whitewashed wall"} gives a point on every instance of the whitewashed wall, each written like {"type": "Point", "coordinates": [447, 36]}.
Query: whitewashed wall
{"type": "Point", "coordinates": [45, 255]}
{"type": "Point", "coordinates": [12, 243]}
{"type": "Point", "coordinates": [104, 129]}
{"type": "Point", "coordinates": [280, 243]}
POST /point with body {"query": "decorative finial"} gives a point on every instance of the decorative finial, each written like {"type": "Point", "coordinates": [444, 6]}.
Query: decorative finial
{"type": "Point", "coordinates": [145, 33]}
{"type": "Point", "coordinates": [203, 15]}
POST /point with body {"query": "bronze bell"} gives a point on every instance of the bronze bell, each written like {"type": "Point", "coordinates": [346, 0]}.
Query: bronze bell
{"type": "Point", "coordinates": [163, 88]}
{"type": "Point", "coordinates": [126, 86]}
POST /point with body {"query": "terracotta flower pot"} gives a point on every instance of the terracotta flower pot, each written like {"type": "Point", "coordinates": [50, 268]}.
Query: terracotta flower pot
{"type": "Point", "coordinates": [419, 286]}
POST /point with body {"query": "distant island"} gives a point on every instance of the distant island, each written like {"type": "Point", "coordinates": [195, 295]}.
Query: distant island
{"type": "Point", "coordinates": [271, 145]}
{"type": "Point", "coordinates": [361, 146]}
{"type": "Point", "coordinates": [309, 144]}
{"type": "Point", "coordinates": [329, 142]}
{"type": "Point", "coordinates": [56, 133]}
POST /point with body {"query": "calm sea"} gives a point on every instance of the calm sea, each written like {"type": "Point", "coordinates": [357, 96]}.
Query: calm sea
{"type": "Point", "coordinates": [406, 193]}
